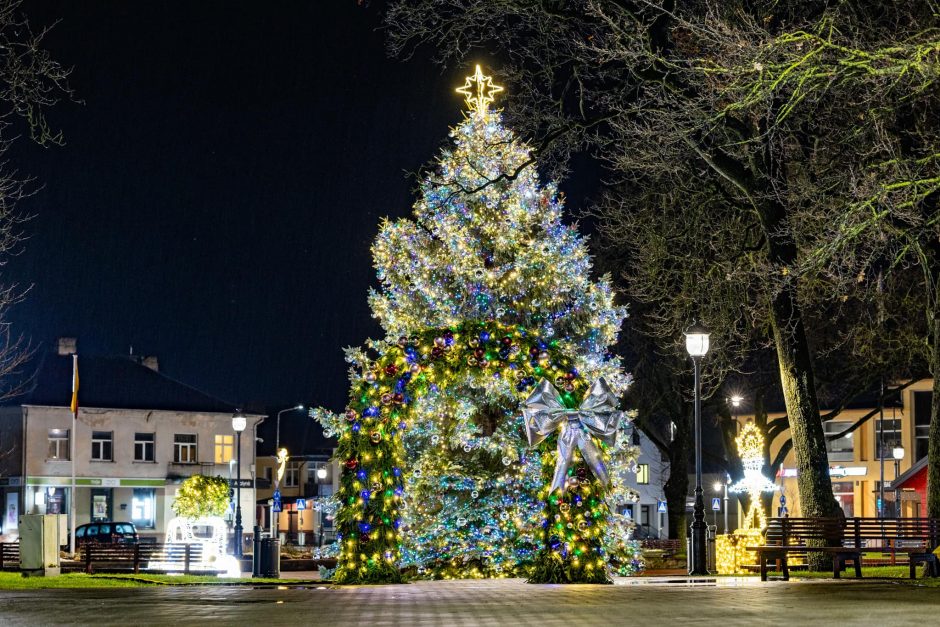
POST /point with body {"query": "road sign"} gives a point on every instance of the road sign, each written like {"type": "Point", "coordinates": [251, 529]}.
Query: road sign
{"type": "Point", "coordinates": [301, 505]}
{"type": "Point", "coordinates": [661, 507]}
{"type": "Point", "coordinates": [716, 504]}
{"type": "Point", "coordinates": [277, 495]}
{"type": "Point", "coordinates": [276, 507]}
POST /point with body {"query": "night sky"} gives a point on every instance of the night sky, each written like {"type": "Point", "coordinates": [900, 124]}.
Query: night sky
{"type": "Point", "coordinates": [223, 179]}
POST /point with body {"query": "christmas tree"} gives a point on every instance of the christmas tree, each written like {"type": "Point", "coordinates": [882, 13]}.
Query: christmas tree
{"type": "Point", "coordinates": [484, 293]}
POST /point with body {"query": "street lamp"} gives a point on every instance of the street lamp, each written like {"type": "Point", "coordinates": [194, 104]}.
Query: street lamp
{"type": "Point", "coordinates": [277, 437]}
{"type": "Point", "coordinates": [898, 454]}
{"type": "Point", "coordinates": [696, 343]}
{"type": "Point", "coordinates": [239, 422]}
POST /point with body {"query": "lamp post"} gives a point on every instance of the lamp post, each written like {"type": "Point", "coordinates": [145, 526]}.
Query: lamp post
{"type": "Point", "coordinates": [277, 436]}
{"type": "Point", "coordinates": [696, 343]}
{"type": "Point", "coordinates": [239, 422]}
{"type": "Point", "coordinates": [321, 475]}
{"type": "Point", "coordinates": [898, 454]}
{"type": "Point", "coordinates": [718, 488]}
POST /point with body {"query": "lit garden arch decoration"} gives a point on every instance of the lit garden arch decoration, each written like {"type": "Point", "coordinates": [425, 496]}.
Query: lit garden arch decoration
{"type": "Point", "coordinates": [372, 452]}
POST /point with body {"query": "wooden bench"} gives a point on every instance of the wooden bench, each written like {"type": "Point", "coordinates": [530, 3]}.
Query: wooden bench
{"type": "Point", "coordinates": [152, 557]}
{"type": "Point", "coordinates": [846, 539]}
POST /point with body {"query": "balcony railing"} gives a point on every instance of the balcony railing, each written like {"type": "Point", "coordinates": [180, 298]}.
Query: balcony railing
{"type": "Point", "coordinates": [179, 470]}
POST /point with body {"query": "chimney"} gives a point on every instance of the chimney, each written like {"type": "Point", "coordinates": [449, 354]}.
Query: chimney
{"type": "Point", "coordinates": [151, 362]}
{"type": "Point", "coordinates": [67, 346]}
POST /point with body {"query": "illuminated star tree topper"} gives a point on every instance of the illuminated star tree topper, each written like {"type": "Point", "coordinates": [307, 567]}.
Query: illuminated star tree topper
{"type": "Point", "coordinates": [479, 91]}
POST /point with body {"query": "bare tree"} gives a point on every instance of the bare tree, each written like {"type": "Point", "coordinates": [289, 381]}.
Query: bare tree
{"type": "Point", "coordinates": [635, 82]}
{"type": "Point", "coordinates": [31, 82]}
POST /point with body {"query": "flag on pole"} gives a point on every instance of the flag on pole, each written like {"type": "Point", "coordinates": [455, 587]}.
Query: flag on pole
{"type": "Point", "coordinates": [74, 383]}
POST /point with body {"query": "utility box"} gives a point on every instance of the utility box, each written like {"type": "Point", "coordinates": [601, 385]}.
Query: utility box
{"type": "Point", "coordinates": [41, 535]}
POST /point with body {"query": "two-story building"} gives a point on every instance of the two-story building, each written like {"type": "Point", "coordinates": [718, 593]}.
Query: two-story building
{"type": "Point", "coordinates": [137, 435]}
{"type": "Point", "coordinates": [887, 444]}
{"type": "Point", "coordinates": [648, 481]}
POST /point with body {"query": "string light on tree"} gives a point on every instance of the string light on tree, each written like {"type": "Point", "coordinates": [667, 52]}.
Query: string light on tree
{"type": "Point", "coordinates": [483, 293]}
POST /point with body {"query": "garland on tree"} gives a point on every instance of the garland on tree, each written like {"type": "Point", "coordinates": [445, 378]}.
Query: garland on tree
{"type": "Point", "coordinates": [487, 293]}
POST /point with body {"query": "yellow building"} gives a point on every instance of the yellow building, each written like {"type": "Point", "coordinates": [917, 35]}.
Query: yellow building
{"type": "Point", "coordinates": [306, 477]}
{"type": "Point", "coordinates": [855, 461]}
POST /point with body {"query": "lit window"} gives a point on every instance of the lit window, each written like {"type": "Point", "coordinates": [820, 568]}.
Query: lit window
{"type": "Point", "coordinates": [643, 474]}
{"type": "Point", "coordinates": [224, 448]}
{"type": "Point", "coordinates": [840, 449]}
{"type": "Point", "coordinates": [101, 446]}
{"type": "Point", "coordinates": [59, 444]}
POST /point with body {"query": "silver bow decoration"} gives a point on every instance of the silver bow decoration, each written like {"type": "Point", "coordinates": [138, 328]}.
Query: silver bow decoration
{"type": "Point", "coordinates": [598, 416]}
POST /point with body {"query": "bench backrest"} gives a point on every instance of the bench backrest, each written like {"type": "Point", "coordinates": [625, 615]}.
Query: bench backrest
{"type": "Point", "coordinates": [854, 531]}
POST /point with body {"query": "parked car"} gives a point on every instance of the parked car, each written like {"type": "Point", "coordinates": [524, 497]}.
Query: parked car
{"type": "Point", "coordinates": [106, 532]}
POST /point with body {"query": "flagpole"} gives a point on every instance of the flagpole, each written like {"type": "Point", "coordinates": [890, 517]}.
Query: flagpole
{"type": "Point", "coordinates": [74, 408]}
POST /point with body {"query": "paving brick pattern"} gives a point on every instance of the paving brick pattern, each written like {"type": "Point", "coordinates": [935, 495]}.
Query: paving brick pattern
{"type": "Point", "coordinates": [487, 603]}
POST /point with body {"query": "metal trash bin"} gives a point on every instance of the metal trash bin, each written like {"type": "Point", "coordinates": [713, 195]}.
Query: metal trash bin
{"type": "Point", "coordinates": [266, 560]}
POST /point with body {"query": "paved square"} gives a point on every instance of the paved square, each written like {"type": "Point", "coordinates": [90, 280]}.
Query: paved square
{"type": "Point", "coordinates": [507, 602]}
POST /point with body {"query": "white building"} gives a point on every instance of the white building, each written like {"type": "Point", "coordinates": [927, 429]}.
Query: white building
{"type": "Point", "coordinates": [649, 480]}
{"type": "Point", "coordinates": [137, 436]}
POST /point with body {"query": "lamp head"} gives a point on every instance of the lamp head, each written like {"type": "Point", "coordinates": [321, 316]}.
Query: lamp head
{"type": "Point", "coordinates": [321, 473]}
{"type": "Point", "coordinates": [239, 422]}
{"type": "Point", "coordinates": [696, 340]}
{"type": "Point", "coordinates": [718, 485]}
{"type": "Point", "coordinates": [736, 401]}
{"type": "Point", "coordinates": [898, 452]}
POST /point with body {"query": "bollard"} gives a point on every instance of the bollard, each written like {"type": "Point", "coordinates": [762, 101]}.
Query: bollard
{"type": "Point", "coordinates": [256, 552]}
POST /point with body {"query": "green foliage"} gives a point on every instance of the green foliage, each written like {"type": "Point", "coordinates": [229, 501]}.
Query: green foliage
{"type": "Point", "coordinates": [201, 496]}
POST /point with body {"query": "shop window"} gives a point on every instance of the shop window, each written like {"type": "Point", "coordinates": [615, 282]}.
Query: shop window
{"type": "Point", "coordinates": [143, 508]}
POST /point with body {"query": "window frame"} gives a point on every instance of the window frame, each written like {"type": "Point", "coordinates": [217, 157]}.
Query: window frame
{"type": "Point", "coordinates": [292, 470]}
{"type": "Point", "coordinates": [179, 446]}
{"type": "Point", "coordinates": [642, 474]}
{"type": "Point", "coordinates": [104, 442]}
{"type": "Point", "coordinates": [145, 445]}
{"type": "Point", "coordinates": [841, 454]}
{"type": "Point", "coordinates": [224, 443]}
{"type": "Point", "coordinates": [58, 445]}
{"type": "Point", "coordinates": [892, 438]}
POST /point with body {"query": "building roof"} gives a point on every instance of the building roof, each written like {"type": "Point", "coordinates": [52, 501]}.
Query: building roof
{"type": "Point", "coordinates": [919, 467]}
{"type": "Point", "coordinates": [110, 382]}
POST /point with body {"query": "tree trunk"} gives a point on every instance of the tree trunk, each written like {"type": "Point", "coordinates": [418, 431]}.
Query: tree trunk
{"type": "Point", "coordinates": [676, 489]}
{"type": "Point", "coordinates": [933, 449]}
{"type": "Point", "coordinates": [796, 377]}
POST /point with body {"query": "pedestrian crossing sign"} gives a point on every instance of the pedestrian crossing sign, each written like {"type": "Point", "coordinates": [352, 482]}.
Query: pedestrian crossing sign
{"type": "Point", "coordinates": [661, 507]}
{"type": "Point", "coordinates": [716, 504]}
